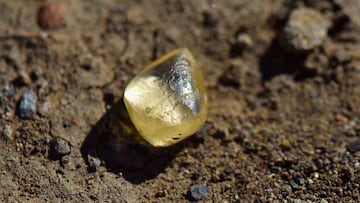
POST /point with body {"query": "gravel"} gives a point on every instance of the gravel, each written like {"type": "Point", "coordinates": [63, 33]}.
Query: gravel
{"type": "Point", "coordinates": [305, 30]}
{"type": "Point", "coordinates": [8, 132]}
{"type": "Point", "coordinates": [27, 105]}
{"type": "Point", "coordinates": [94, 163]}
{"type": "Point", "coordinates": [59, 148]}
{"type": "Point", "coordinates": [198, 192]}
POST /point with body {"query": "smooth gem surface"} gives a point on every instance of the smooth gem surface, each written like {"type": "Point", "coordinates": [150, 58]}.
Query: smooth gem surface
{"type": "Point", "coordinates": [166, 101]}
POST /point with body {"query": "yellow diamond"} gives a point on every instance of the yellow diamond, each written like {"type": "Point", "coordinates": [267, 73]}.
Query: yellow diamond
{"type": "Point", "coordinates": [166, 101]}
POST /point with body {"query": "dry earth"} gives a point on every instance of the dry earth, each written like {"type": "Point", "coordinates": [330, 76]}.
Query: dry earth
{"type": "Point", "coordinates": [283, 126]}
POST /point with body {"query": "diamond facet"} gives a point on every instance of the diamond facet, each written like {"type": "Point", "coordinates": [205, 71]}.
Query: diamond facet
{"type": "Point", "coordinates": [166, 101]}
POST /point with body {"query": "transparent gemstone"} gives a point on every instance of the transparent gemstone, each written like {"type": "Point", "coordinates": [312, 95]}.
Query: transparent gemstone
{"type": "Point", "coordinates": [166, 101]}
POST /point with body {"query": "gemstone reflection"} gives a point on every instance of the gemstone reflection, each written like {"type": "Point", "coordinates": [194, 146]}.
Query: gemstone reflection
{"type": "Point", "coordinates": [166, 101]}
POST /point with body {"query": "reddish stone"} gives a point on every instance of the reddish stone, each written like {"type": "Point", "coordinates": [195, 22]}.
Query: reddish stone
{"type": "Point", "coordinates": [51, 15]}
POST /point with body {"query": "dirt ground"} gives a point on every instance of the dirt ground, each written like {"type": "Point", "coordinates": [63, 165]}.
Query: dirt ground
{"type": "Point", "coordinates": [283, 126]}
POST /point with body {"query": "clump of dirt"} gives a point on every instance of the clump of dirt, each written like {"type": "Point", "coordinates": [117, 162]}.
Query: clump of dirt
{"type": "Point", "coordinates": [283, 125]}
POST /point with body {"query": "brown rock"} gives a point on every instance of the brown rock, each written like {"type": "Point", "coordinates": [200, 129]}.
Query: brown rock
{"type": "Point", "coordinates": [235, 74]}
{"type": "Point", "coordinates": [51, 15]}
{"type": "Point", "coordinates": [59, 148]}
{"type": "Point", "coordinates": [305, 30]}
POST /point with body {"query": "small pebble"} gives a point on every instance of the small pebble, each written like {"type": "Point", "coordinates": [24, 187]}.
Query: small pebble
{"type": "Point", "coordinates": [44, 108]}
{"type": "Point", "coordinates": [27, 105]}
{"type": "Point", "coordinates": [66, 124]}
{"type": "Point", "coordinates": [285, 144]}
{"type": "Point", "coordinates": [59, 148]}
{"type": "Point", "coordinates": [299, 180]}
{"type": "Point", "coordinates": [64, 161]}
{"type": "Point", "coordinates": [235, 74]}
{"type": "Point", "coordinates": [198, 192]}
{"type": "Point", "coordinates": [244, 40]}
{"type": "Point", "coordinates": [7, 110]}
{"type": "Point", "coordinates": [229, 170]}
{"type": "Point", "coordinates": [297, 201]}
{"type": "Point", "coordinates": [161, 193]}
{"type": "Point", "coordinates": [236, 197]}
{"type": "Point", "coordinates": [51, 15]}
{"type": "Point", "coordinates": [294, 185]}
{"type": "Point", "coordinates": [305, 30]}
{"type": "Point", "coordinates": [323, 201]}
{"type": "Point", "coordinates": [94, 163]}
{"type": "Point", "coordinates": [310, 182]}
{"type": "Point", "coordinates": [8, 132]}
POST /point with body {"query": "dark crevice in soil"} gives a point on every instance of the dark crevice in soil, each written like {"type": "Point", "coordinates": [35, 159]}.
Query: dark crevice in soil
{"type": "Point", "coordinates": [277, 61]}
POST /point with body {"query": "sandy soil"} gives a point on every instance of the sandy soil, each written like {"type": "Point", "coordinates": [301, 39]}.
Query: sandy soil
{"type": "Point", "coordinates": [283, 126]}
